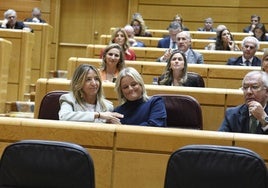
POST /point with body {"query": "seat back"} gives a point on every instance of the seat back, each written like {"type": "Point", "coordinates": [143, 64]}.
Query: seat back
{"type": "Point", "coordinates": [50, 105]}
{"type": "Point", "coordinates": [210, 166]}
{"type": "Point", "coordinates": [195, 79]}
{"type": "Point", "coordinates": [38, 163]}
{"type": "Point", "coordinates": [183, 111]}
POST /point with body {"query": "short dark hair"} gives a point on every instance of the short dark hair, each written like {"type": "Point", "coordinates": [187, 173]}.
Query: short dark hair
{"type": "Point", "coordinates": [174, 25]}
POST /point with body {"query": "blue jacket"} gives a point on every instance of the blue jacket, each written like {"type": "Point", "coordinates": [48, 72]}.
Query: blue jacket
{"type": "Point", "coordinates": [239, 61]}
{"type": "Point", "coordinates": [149, 113]}
{"type": "Point", "coordinates": [237, 120]}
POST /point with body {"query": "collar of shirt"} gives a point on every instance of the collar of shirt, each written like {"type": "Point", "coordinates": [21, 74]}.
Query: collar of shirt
{"type": "Point", "coordinates": [244, 61]}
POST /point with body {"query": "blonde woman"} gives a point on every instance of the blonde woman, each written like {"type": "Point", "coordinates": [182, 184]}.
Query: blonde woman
{"type": "Point", "coordinates": [85, 101]}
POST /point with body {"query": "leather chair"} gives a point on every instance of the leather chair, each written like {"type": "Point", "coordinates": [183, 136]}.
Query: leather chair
{"type": "Point", "coordinates": [183, 111]}
{"type": "Point", "coordinates": [50, 105]}
{"type": "Point", "coordinates": [210, 166]}
{"type": "Point", "coordinates": [39, 163]}
{"type": "Point", "coordinates": [195, 79]}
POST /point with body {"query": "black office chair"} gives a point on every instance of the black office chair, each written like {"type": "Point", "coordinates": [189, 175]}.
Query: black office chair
{"type": "Point", "coordinates": [183, 111]}
{"type": "Point", "coordinates": [209, 166]}
{"type": "Point", "coordinates": [50, 105]}
{"type": "Point", "coordinates": [38, 164]}
{"type": "Point", "coordinates": [195, 79]}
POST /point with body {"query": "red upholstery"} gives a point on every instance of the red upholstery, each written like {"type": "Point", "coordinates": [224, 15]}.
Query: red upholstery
{"type": "Point", "coordinates": [50, 106]}
{"type": "Point", "coordinates": [183, 111]}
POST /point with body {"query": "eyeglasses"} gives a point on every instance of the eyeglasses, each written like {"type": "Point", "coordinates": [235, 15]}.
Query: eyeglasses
{"type": "Point", "coordinates": [254, 20]}
{"type": "Point", "coordinates": [253, 88]}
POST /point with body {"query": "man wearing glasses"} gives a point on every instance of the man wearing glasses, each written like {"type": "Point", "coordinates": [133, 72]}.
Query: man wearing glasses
{"type": "Point", "coordinates": [255, 19]}
{"type": "Point", "coordinates": [250, 117]}
{"type": "Point", "coordinates": [249, 47]}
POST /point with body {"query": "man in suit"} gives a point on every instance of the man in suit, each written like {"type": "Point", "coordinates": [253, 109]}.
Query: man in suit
{"type": "Point", "coordinates": [250, 117]}
{"type": "Point", "coordinates": [170, 41]}
{"type": "Point", "coordinates": [249, 47]}
{"type": "Point", "coordinates": [208, 26]}
{"type": "Point", "coordinates": [36, 16]}
{"type": "Point", "coordinates": [10, 21]}
{"type": "Point", "coordinates": [183, 39]}
{"type": "Point", "coordinates": [254, 20]}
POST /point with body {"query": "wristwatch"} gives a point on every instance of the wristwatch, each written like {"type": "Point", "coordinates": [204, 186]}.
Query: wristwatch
{"type": "Point", "coordinates": [266, 120]}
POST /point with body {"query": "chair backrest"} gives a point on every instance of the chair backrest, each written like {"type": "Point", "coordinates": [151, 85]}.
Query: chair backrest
{"type": "Point", "coordinates": [38, 163]}
{"type": "Point", "coordinates": [196, 79]}
{"type": "Point", "coordinates": [50, 105]}
{"type": "Point", "coordinates": [210, 166]}
{"type": "Point", "coordinates": [183, 111]}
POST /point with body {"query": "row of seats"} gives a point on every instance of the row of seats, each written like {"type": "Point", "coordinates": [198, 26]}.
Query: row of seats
{"type": "Point", "coordinates": [195, 43]}
{"type": "Point", "coordinates": [214, 76]}
{"type": "Point", "coordinates": [123, 152]}
{"type": "Point", "coordinates": [63, 164]}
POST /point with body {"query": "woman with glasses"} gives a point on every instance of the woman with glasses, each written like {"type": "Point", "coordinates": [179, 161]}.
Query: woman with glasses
{"type": "Point", "coordinates": [85, 102]}
{"type": "Point", "coordinates": [252, 116]}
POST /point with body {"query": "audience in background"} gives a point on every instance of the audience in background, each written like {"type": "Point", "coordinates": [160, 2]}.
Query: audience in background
{"type": "Point", "coordinates": [175, 73]}
{"type": "Point", "coordinates": [85, 101]}
{"type": "Point", "coordinates": [264, 63]}
{"type": "Point", "coordinates": [170, 40]}
{"type": "Point", "coordinates": [135, 105]}
{"type": "Point", "coordinates": [183, 39]}
{"type": "Point", "coordinates": [208, 26]}
{"type": "Point", "coordinates": [254, 20]}
{"type": "Point", "coordinates": [250, 117]}
{"type": "Point", "coordinates": [139, 26]}
{"type": "Point", "coordinates": [259, 32]}
{"type": "Point", "coordinates": [224, 41]}
{"type": "Point", "coordinates": [249, 47]}
{"type": "Point", "coordinates": [10, 21]}
{"type": "Point", "coordinates": [112, 62]}
{"type": "Point", "coordinates": [132, 41]}
{"type": "Point", "coordinates": [178, 18]}
{"type": "Point", "coordinates": [36, 16]}
{"type": "Point", "coordinates": [120, 37]}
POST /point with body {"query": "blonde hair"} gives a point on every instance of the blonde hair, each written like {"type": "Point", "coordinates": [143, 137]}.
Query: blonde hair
{"type": "Point", "coordinates": [133, 73]}
{"type": "Point", "coordinates": [78, 80]}
{"type": "Point", "coordinates": [126, 43]}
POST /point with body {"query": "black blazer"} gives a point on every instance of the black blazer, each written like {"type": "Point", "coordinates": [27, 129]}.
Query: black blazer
{"type": "Point", "coordinates": [239, 62]}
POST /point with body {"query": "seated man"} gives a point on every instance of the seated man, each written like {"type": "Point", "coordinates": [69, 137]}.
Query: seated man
{"type": "Point", "coordinates": [250, 117]}
{"type": "Point", "coordinates": [249, 47]}
{"type": "Point", "coordinates": [36, 16]}
{"type": "Point", "coordinates": [208, 26]}
{"type": "Point", "coordinates": [170, 41]}
{"type": "Point", "coordinates": [10, 21]}
{"type": "Point", "coordinates": [254, 20]}
{"type": "Point", "coordinates": [183, 39]}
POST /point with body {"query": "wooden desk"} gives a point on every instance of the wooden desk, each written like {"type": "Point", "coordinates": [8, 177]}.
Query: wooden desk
{"type": "Point", "coordinates": [213, 101]}
{"type": "Point", "coordinates": [5, 57]}
{"type": "Point", "coordinates": [19, 77]}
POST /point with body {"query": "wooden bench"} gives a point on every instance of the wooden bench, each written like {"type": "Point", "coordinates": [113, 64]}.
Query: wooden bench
{"type": "Point", "coordinates": [194, 34]}
{"type": "Point", "coordinates": [151, 54]}
{"type": "Point", "coordinates": [215, 76]}
{"type": "Point", "coordinates": [213, 101]}
{"type": "Point", "coordinates": [19, 76]}
{"type": "Point", "coordinates": [5, 58]}
{"type": "Point", "coordinates": [125, 156]}
{"type": "Point", "coordinates": [196, 43]}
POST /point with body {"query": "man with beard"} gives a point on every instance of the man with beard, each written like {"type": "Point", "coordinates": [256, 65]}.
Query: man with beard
{"type": "Point", "coordinates": [250, 117]}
